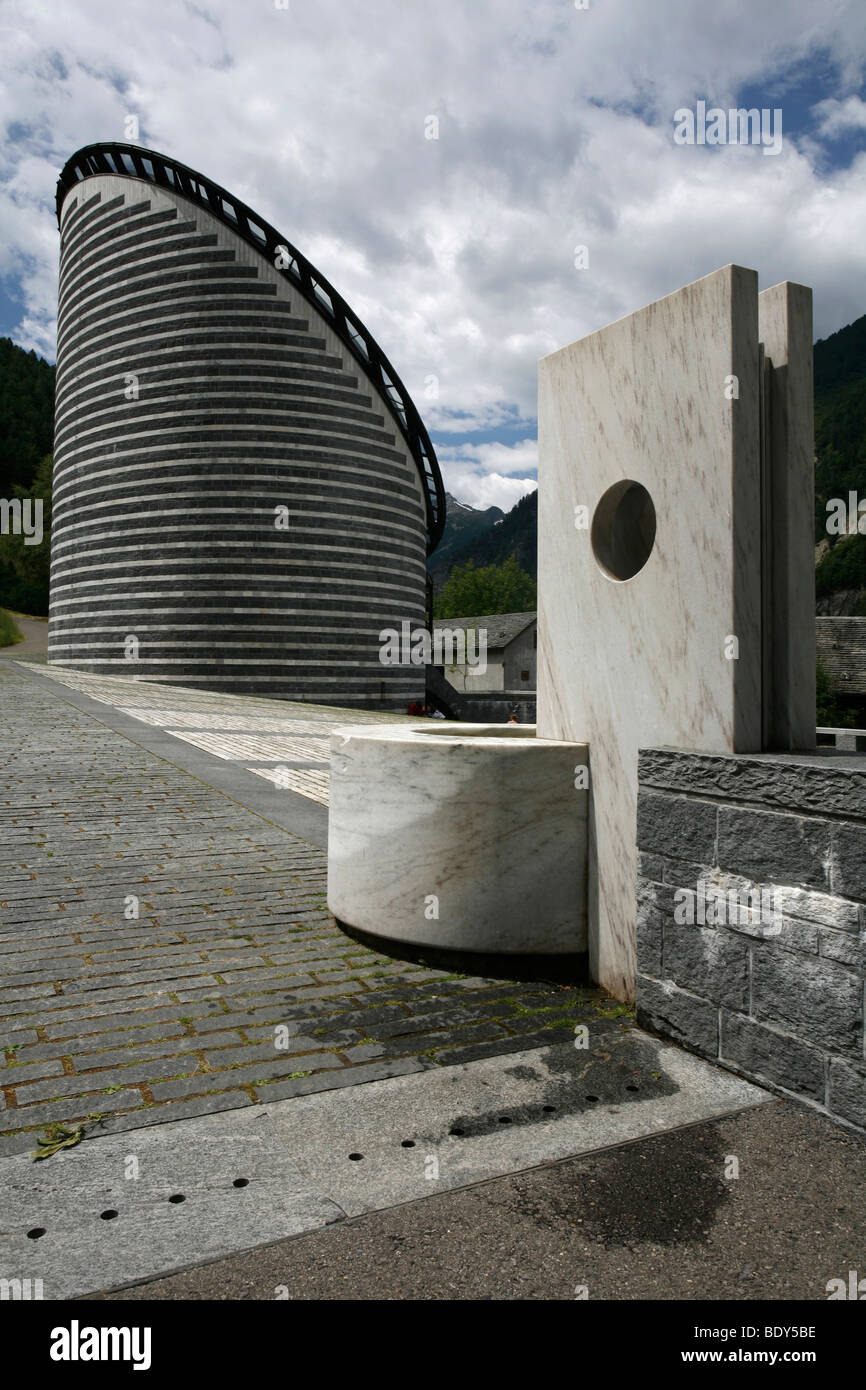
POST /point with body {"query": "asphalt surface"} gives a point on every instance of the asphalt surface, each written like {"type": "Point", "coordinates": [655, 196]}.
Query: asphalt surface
{"type": "Point", "coordinates": [35, 644]}
{"type": "Point", "coordinates": [654, 1219]}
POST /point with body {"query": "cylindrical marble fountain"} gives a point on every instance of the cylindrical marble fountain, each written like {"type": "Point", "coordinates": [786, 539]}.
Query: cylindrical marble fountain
{"type": "Point", "coordinates": [465, 837]}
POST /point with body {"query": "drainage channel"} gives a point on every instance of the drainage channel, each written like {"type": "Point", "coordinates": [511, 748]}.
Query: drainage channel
{"type": "Point", "coordinates": [127, 1207]}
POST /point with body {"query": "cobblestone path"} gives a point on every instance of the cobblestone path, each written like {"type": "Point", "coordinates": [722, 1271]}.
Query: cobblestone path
{"type": "Point", "coordinates": [285, 742]}
{"type": "Point", "coordinates": [167, 952]}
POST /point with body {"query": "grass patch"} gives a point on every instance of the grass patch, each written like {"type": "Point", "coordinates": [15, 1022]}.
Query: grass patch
{"type": "Point", "coordinates": [558, 1010]}
{"type": "Point", "coordinates": [30, 617]}
{"type": "Point", "coordinates": [9, 630]}
{"type": "Point", "coordinates": [615, 1011]}
{"type": "Point", "coordinates": [273, 1080]}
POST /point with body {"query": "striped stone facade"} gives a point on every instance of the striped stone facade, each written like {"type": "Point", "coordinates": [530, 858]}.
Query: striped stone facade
{"type": "Point", "coordinates": [842, 648]}
{"type": "Point", "coordinates": [234, 506]}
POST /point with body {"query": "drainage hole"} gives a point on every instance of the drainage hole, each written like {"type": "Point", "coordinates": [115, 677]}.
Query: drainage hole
{"type": "Point", "coordinates": [36, 1233]}
{"type": "Point", "coordinates": [456, 1130]}
{"type": "Point", "coordinates": [505, 1119]}
{"type": "Point", "coordinates": [178, 1197]}
{"type": "Point", "coordinates": [407, 1143]}
{"type": "Point", "coordinates": [356, 1158]}
{"type": "Point", "coordinates": [632, 1088]}
{"type": "Point", "coordinates": [108, 1215]}
{"type": "Point", "coordinates": [590, 1097]}
{"type": "Point", "coordinates": [241, 1182]}
{"type": "Point", "coordinates": [548, 1107]}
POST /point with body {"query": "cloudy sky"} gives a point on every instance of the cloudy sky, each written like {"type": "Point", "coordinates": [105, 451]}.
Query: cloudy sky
{"type": "Point", "coordinates": [556, 130]}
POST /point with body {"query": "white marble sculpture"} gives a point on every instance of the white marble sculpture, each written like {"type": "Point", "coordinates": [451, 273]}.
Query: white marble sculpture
{"type": "Point", "coordinates": [467, 837]}
{"type": "Point", "coordinates": [675, 553]}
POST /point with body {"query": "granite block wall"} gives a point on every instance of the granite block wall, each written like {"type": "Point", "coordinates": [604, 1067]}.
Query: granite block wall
{"type": "Point", "coordinates": [751, 923]}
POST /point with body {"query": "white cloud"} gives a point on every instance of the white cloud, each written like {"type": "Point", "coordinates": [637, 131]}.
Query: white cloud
{"type": "Point", "coordinates": [835, 116]}
{"type": "Point", "coordinates": [482, 490]}
{"type": "Point", "coordinates": [489, 475]}
{"type": "Point", "coordinates": [555, 130]}
{"type": "Point", "coordinates": [495, 456]}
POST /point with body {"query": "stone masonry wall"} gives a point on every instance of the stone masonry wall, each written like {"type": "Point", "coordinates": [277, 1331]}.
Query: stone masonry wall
{"type": "Point", "coordinates": [841, 644]}
{"type": "Point", "coordinates": [776, 996]}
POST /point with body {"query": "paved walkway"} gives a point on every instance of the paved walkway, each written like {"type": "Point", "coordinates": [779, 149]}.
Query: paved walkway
{"type": "Point", "coordinates": [167, 955]}
{"type": "Point", "coordinates": [168, 952]}
{"type": "Point", "coordinates": [207, 1187]}
{"type": "Point", "coordinates": [662, 1218]}
{"type": "Point", "coordinates": [285, 742]}
{"type": "Point", "coordinates": [35, 644]}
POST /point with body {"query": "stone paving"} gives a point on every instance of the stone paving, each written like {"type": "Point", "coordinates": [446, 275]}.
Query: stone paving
{"type": "Point", "coordinates": [285, 742]}
{"type": "Point", "coordinates": [167, 952]}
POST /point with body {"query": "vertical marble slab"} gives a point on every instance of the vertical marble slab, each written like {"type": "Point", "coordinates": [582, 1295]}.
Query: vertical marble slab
{"type": "Point", "coordinates": [785, 329]}
{"type": "Point", "coordinates": [668, 398]}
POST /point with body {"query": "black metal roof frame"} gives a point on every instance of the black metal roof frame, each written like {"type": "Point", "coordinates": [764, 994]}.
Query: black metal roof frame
{"type": "Point", "coordinates": [136, 162]}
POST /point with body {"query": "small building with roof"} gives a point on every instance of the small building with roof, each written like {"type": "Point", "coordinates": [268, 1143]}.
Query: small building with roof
{"type": "Point", "coordinates": [511, 644]}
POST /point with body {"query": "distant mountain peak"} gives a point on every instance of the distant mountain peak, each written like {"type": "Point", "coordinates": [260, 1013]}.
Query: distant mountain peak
{"type": "Point", "coordinates": [454, 502]}
{"type": "Point", "coordinates": [486, 536]}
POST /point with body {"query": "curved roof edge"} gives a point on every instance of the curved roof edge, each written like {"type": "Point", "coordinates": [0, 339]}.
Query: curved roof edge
{"type": "Point", "coordinates": [136, 162]}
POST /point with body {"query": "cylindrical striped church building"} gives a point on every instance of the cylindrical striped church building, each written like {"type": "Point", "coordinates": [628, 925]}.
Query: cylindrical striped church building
{"type": "Point", "coordinates": [244, 493]}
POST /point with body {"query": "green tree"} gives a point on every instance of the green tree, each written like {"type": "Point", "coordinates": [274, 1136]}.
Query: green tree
{"type": "Point", "coordinates": [24, 569]}
{"type": "Point", "coordinates": [842, 567]}
{"type": "Point", "coordinates": [829, 714]}
{"type": "Point", "coordinates": [26, 415]}
{"type": "Point", "coordinates": [468, 591]}
{"type": "Point", "coordinates": [825, 701]}
{"type": "Point", "coordinates": [840, 418]}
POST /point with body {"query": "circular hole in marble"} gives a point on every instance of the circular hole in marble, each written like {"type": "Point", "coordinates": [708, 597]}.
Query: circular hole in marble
{"type": "Point", "coordinates": [505, 1119]}
{"type": "Point", "coordinates": [592, 1098]}
{"type": "Point", "coordinates": [632, 1088]}
{"type": "Point", "coordinates": [623, 530]}
{"type": "Point", "coordinates": [548, 1107]}
{"type": "Point", "coordinates": [356, 1158]}
{"type": "Point", "coordinates": [407, 1144]}
{"type": "Point", "coordinates": [241, 1182]}
{"type": "Point", "coordinates": [108, 1215]}
{"type": "Point", "coordinates": [456, 1130]}
{"type": "Point", "coordinates": [36, 1232]}
{"type": "Point", "coordinates": [177, 1197]}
